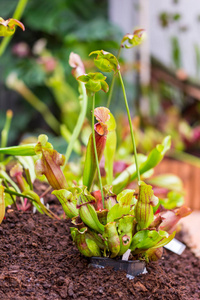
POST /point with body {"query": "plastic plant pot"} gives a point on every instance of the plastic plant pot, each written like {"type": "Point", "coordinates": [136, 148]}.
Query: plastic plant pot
{"type": "Point", "coordinates": [131, 267]}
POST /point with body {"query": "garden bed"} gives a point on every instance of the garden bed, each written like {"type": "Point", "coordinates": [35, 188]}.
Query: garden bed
{"type": "Point", "coordinates": [39, 261]}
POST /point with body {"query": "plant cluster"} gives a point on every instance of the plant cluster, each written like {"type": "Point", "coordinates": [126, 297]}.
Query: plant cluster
{"type": "Point", "coordinates": [108, 216]}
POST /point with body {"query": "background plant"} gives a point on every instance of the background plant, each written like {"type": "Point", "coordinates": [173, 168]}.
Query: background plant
{"type": "Point", "coordinates": [69, 24]}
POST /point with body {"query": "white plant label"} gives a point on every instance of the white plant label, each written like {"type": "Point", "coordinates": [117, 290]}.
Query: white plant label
{"type": "Point", "coordinates": [175, 246]}
{"type": "Point", "coordinates": [125, 256]}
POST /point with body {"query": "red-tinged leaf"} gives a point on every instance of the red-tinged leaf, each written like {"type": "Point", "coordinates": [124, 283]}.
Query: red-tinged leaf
{"type": "Point", "coordinates": [102, 114]}
{"type": "Point", "coordinates": [7, 27]}
{"type": "Point", "coordinates": [101, 129]}
{"type": "Point", "coordinates": [98, 204]}
{"type": "Point", "coordinates": [49, 163]}
{"type": "Point", "coordinates": [104, 86]}
{"type": "Point", "coordinates": [171, 218]}
{"type": "Point", "coordinates": [13, 22]}
{"type": "Point", "coordinates": [17, 172]}
{"type": "Point", "coordinates": [156, 222]}
{"type": "Point", "coordinates": [134, 39]}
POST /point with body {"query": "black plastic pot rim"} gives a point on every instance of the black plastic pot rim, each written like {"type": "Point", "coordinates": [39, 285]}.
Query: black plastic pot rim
{"type": "Point", "coordinates": [131, 267]}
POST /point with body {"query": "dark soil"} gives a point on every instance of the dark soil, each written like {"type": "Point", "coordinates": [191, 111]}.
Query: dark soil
{"type": "Point", "coordinates": [39, 261]}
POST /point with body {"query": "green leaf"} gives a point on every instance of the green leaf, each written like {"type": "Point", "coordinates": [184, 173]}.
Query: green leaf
{"type": "Point", "coordinates": [176, 52]}
{"type": "Point", "coordinates": [153, 159]}
{"type": "Point", "coordinates": [156, 155]}
{"type": "Point", "coordinates": [110, 198]}
{"type": "Point", "coordinates": [12, 192]}
{"type": "Point", "coordinates": [85, 245]}
{"type": "Point", "coordinates": [111, 236]}
{"type": "Point", "coordinates": [90, 166]}
{"type": "Point", "coordinates": [173, 200]}
{"type": "Point", "coordinates": [164, 241]}
{"type": "Point", "coordinates": [146, 239]}
{"type": "Point", "coordinates": [105, 61]}
{"type": "Point", "coordinates": [22, 150]}
{"type": "Point", "coordinates": [97, 238]}
{"type": "Point", "coordinates": [125, 230]}
{"type": "Point", "coordinates": [68, 202]}
{"type": "Point", "coordinates": [168, 181]}
{"type": "Point", "coordinates": [109, 155]}
{"type": "Point", "coordinates": [94, 82]}
{"type": "Point", "coordinates": [122, 207]}
{"type": "Point", "coordinates": [8, 199]}
{"type": "Point", "coordinates": [28, 163]}
{"type": "Point", "coordinates": [94, 248]}
{"type": "Point", "coordinates": [116, 212]}
{"type": "Point", "coordinates": [143, 208]}
{"type": "Point", "coordinates": [87, 212]}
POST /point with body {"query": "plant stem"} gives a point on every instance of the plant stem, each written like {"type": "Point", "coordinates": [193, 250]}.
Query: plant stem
{"type": "Point", "coordinates": [17, 15]}
{"type": "Point", "coordinates": [79, 123]}
{"type": "Point", "coordinates": [131, 127]}
{"type": "Point", "coordinates": [95, 151]}
{"type": "Point", "coordinates": [113, 81]}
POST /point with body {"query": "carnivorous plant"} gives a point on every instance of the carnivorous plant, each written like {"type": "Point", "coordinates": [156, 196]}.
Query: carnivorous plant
{"type": "Point", "coordinates": [109, 215]}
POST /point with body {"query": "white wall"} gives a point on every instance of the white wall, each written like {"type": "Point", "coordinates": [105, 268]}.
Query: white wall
{"type": "Point", "coordinates": [160, 37]}
{"type": "Point", "coordinates": [125, 14]}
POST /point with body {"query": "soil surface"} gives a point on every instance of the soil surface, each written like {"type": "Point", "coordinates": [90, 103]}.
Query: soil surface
{"type": "Point", "coordinates": [39, 261]}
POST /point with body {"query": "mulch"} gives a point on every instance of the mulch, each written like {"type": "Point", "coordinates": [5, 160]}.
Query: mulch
{"type": "Point", "coordinates": [38, 260]}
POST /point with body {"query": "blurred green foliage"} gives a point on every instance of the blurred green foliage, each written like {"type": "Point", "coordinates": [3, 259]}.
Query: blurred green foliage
{"type": "Point", "coordinates": [80, 26]}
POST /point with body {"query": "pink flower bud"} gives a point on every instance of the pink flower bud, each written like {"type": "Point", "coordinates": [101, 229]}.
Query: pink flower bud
{"type": "Point", "coordinates": [76, 63]}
